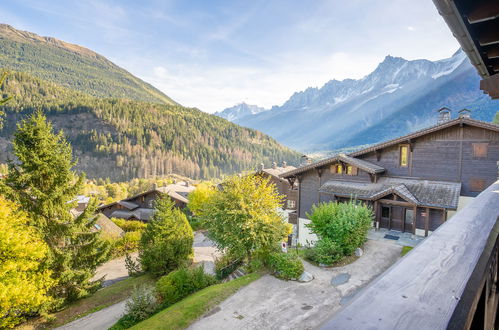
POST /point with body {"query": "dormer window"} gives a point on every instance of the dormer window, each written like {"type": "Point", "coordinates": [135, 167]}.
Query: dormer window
{"type": "Point", "coordinates": [351, 170]}
{"type": "Point", "coordinates": [404, 156]}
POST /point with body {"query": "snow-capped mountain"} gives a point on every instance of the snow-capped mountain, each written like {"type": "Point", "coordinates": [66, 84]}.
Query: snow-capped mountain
{"type": "Point", "coordinates": [398, 97]}
{"type": "Point", "coordinates": [239, 111]}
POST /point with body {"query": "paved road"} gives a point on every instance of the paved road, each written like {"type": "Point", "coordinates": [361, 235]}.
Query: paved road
{"type": "Point", "coordinates": [100, 320]}
{"type": "Point", "coordinates": [115, 270]}
{"type": "Point", "coordinates": [270, 303]}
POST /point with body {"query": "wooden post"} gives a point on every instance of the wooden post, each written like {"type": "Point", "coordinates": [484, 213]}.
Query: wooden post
{"type": "Point", "coordinates": [427, 222]}
{"type": "Point", "coordinates": [414, 219]}
{"type": "Point", "coordinates": [376, 215]}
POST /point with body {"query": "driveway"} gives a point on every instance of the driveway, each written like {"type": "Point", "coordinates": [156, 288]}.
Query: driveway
{"type": "Point", "coordinates": [113, 270]}
{"type": "Point", "coordinates": [270, 303]}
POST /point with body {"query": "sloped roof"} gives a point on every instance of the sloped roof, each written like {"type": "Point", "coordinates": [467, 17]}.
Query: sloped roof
{"type": "Point", "coordinates": [362, 164]}
{"type": "Point", "coordinates": [420, 192]}
{"type": "Point", "coordinates": [107, 227]}
{"type": "Point", "coordinates": [128, 205]}
{"type": "Point", "coordinates": [402, 139]}
{"type": "Point", "coordinates": [177, 191]}
{"type": "Point", "coordinates": [278, 171]}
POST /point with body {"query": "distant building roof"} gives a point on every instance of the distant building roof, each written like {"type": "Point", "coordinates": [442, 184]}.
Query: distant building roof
{"type": "Point", "coordinates": [107, 227]}
{"type": "Point", "coordinates": [420, 192]}
{"type": "Point", "coordinates": [279, 170]}
{"type": "Point", "coordinates": [128, 205]}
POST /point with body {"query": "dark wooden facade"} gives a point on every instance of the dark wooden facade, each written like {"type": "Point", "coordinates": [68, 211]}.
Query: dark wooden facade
{"type": "Point", "coordinates": [285, 187]}
{"type": "Point", "coordinates": [141, 206]}
{"type": "Point", "coordinates": [462, 151]}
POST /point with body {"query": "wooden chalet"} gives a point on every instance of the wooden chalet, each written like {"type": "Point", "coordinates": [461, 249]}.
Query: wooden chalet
{"type": "Point", "coordinates": [141, 207]}
{"type": "Point", "coordinates": [289, 189]}
{"type": "Point", "coordinates": [415, 182]}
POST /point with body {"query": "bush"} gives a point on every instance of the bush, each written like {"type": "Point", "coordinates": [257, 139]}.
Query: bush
{"type": "Point", "coordinates": [226, 265]}
{"type": "Point", "coordinates": [126, 244]}
{"type": "Point", "coordinates": [287, 266]}
{"type": "Point", "coordinates": [345, 224]}
{"type": "Point", "coordinates": [181, 283]}
{"type": "Point", "coordinates": [166, 243]}
{"type": "Point", "coordinates": [129, 225]}
{"type": "Point", "coordinates": [324, 252]}
{"type": "Point", "coordinates": [196, 222]}
{"type": "Point", "coordinates": [140, 306]}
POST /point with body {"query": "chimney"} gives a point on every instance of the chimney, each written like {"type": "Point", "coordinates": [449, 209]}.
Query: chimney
{"type": "Point", "coordinates": [261, 167]}
{"type": "Point", "coordinates": [154, 186]}
{"type": "Point", "coordinates": [187, 184]}
{"type": "Point", "coordinates": [464, 113]}
{"type": "Point", "coordinates": [284, 164]}
{"type": "Point", "coordinates": [174, 181]}
{"type": "Point", "coordinates": [274, 165]}
{"type": "Point", "coordinates": [444, 115]}
{"type": "Point", "coordinates": [304, 160]}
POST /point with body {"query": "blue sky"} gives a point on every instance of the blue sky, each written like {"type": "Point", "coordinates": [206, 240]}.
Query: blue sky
{"type": "Point", "coordinates": [214, 54]}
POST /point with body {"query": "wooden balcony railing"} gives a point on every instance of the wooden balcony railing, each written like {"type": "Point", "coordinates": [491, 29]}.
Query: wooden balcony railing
{"type": "Point", "coordinates": [449, 281]}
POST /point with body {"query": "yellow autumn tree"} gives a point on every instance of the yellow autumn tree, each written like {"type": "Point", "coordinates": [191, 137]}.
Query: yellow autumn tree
{"type": "Point", "coordinates": [199, 197]}
{"type": "Point", "coordinates": [23, 282]}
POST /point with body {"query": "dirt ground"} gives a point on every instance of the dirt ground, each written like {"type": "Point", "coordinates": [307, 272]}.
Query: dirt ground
{"type": "Point", "coordinates": [270, 303]}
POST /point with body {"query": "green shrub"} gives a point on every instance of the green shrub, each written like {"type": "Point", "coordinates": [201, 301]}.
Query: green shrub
{"type": "Point", "coordinates": [126, 244]}
{"type": "Point", "coordinates": [226, 265]}
{"type": "Point", "coordinates": [196, 222]}
{"type": "Point", "coordinates": [181, 283]}
{"type": "Point", "coordinates": [132, 266]}
{"type": "Point", "coordinates": [287, 266]}
{"type": "Point", "coordinates": [345, 224]}
{"type": "Point", "coordinates": [166, 243]}
{"type": "Point", "coordinates": [324, 252]}
{"type": "Point", "coordinates": [129, 225]}
{"type": "Point", "coordinates": [140, 306]}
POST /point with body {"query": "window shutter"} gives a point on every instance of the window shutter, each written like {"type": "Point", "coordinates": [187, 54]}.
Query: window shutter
{"type": "Point", "coordinates": [480, 150]}
{"type": "Point", "coordinates": [477, 185]}
{"type": "Point", "coordinates": [354, 170]}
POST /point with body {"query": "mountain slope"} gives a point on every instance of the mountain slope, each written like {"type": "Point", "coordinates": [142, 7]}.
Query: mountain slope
{"type": "Point", "coordinates": [71, 66]}
{"type": "Point", "coordinates": [398, 97]}
{"type": "Point", "coordinates": [239, 111]}
{"type": "Point", "coordinates": [123, 139]}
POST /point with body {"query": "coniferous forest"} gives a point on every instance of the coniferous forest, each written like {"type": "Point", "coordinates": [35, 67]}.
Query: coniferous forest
{"type": "Point", "coordinates": [123, 139]}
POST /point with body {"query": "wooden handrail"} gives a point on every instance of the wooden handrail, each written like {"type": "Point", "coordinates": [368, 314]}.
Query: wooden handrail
{"type": "Point", "coordinates": [448, 281]}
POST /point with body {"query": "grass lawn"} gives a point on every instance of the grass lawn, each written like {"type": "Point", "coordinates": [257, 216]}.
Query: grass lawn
{"type": "Point", "coordinates": [405, 250]}
{"type": "Point", "coordinates": [101, 299]}
{"type": "Point", "coordinates": [186, 311]}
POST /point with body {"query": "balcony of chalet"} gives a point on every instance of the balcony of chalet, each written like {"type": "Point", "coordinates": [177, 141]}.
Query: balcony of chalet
{"type": "Point", "coordinates": [449, 281]}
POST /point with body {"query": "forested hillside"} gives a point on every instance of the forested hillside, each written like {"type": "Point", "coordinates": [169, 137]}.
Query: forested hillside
{"type": "Point", "coordinates": [123, 139]}
{"type": "Point", "coordinates": [71, 66]}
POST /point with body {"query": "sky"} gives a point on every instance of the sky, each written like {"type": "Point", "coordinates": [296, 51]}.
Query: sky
{"type": "Point", "coordinates": [214, 54]}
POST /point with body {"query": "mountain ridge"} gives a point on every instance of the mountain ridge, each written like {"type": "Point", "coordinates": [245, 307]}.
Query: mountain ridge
{"type": "Point", "coordinates": [399, 96]}
{"type": "Point", "coordinates": [72, 66]}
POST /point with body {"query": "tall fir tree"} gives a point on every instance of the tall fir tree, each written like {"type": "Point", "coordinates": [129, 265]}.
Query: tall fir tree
{"type": "Point", "coordinates": [42, 182]}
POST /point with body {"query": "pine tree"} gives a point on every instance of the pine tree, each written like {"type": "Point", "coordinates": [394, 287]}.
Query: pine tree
{"type": "Point", "coordinates": [42, 183]}
{"type": "Point", "coordinates": [166, 243]}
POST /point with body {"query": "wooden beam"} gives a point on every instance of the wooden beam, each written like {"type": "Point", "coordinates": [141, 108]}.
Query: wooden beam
{"type": "Point", "coordinates": [415, 217]}
{"type": "Point", "coordinates": [378, 154]}
{"type": "Point", "coordinates": [489, 35]}
{"type": "Point", "coordinates": [392, 202]}
{"type": "Point", "coordinates": [490, 85]}
{"type": "Point", "coordinates": [492, 52]}
{"type": "Point", "coordinates": [427, 222]}
{"type": "Point", "coordinates": [484, 11]}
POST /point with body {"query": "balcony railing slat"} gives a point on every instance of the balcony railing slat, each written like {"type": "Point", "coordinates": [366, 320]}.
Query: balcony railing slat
{"type": "Point", "coordinates": [423, 289]}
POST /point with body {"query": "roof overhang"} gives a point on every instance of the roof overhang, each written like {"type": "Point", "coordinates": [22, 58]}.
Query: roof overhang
{"type": "Point", "coordinates": [475, 25]}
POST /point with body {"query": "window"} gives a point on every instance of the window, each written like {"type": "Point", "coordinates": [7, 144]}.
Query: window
{"type": "Point", "coordinates": [385, 212]}
{"type": "Point", "coordinates": [339, 169]}
{"type": "Point", "coordinates": [480, 150]}
{"type": "Point", "coordinates": [291, 204]}
{"type": "Point", "coordinates": [477, 185]}
{"type": "Point", "coordinates": [351, 170]}
{"type": "Point", "coordinates": [404, 156]}
{"type": "Point", "coordinates": [97, 226]}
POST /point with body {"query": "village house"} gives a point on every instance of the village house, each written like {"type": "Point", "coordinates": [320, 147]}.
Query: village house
{"type": "Point", "coordinates": [284, 187]}
{"type": "Point", "coordinates": [414, 183]}
{"type": "Point", "coordinates": [141, 207]}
